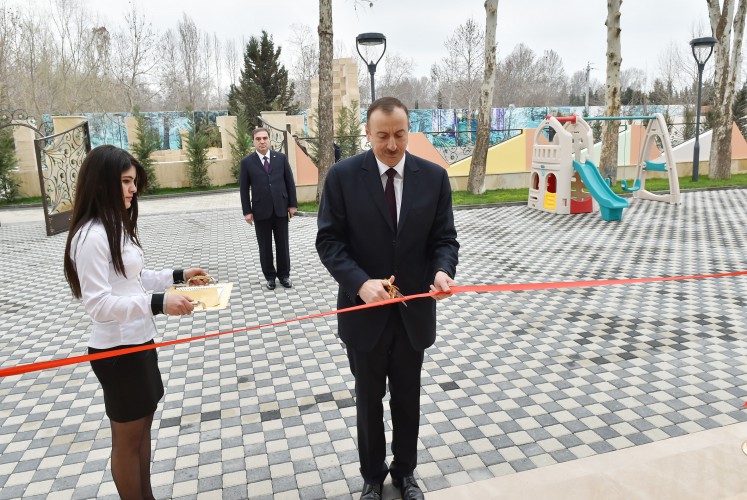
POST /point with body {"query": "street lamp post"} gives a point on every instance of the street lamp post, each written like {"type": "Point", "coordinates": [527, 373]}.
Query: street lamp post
{"type": "Point", "coordinates": [702, 50]}
{"type": "Point", "coordinates": [367, 40]}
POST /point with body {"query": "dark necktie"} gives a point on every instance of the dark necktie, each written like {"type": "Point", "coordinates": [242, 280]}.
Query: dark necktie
{"type": "Point", "coordinates": [391, 200]}
{"type": "Point", "coordinates": [267, 165]}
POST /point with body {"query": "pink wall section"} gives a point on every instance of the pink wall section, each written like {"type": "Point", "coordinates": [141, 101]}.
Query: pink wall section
{"type": "Point", "coordinates": [306, 171]}
{"type": "Point", "coordinates": [419, 145]}
{"type": "Point", "coordinates": [738, 144]}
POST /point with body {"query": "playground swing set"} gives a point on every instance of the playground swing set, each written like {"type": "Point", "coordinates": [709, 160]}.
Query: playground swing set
{"type": "Point", "coordinates": [564, 179]}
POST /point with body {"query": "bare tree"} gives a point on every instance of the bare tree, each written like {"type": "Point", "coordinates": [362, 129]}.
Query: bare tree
{"type": "Point", "coordinates": [476, 181]}
{"type": "Point", "coordinates": [551, 85]}
{"type": "Point", "coordinates": [515, 75]}
{"type": "Point", "coordinates": [397, 71]}
{"type": "Point", "coordinates": [36, 58]}
{"type": "Point", "coordinates": [190, 42]}
{"type": "Point", "coordinates": [325, 118]}
{"type": "Point", "coordinates": [728, 56]}
{"type": "Point", "coordinates": [134, 56]}
{"type": "Point", "coordinates": [232, 61]}
{"type": "Point", "coordinates": [460, 72]}
{"type": "Point", "coordinates": [9, 52]}
{"type": "Point", "coordinates": [633, 87]}
{"type": "Point", "coordinates": [171, 80]}
{"type": "Point", "coordinates": [207, 54]}
{"type": "Point", "coordinates": [304, 48]}
{"type": "Point", "coordinates": [676, 70]}
{"type": "Point", "coordinates": [80, 52]}
{"type": "Point", "coordinates": [633, 78]}
{"type": "Point", "coordinates": [218, 64]}
{"type": "Point", "coordinates": [608, 160]}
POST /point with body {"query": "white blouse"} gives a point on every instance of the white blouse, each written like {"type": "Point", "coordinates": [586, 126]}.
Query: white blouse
{"type": "Point", "coordinates": [120, 307]}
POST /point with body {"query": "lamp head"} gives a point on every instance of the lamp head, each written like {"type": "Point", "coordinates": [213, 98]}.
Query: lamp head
{"type": "Point", "coordinates": [370, 40]}
{"type": "Point", "coordinates": [702, 49]}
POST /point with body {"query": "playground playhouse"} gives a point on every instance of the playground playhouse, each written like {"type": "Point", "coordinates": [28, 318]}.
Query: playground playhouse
{"type": "Point", "coordinates": [565, 180]}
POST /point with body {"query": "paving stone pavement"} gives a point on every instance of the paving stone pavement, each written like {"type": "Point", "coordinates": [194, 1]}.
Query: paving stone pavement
{"type": "Point", "coordinates": [515, 381]}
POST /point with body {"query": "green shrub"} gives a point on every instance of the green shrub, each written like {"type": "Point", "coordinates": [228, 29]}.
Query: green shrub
{"type": "Point", "coordinates": [349, 130]}
{"type": "Point", "coordinates": [243, 144]}
{"type": "Point", "coordinates": [148, 141]}
{"type": "Point", "coordinates": [9, 186]}
{"type": "Point", "coordinates": [197, 157]}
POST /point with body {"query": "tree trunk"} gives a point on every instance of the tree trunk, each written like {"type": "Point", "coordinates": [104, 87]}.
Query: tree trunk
{"type": "Point", "coordinates": [476, 181]}
{"type": "Point", "coordinates": [324, 115]}
{"type": "Point", "coordinates": [608, 160]}
{"type": "Point", "coordinates": [727, 63]}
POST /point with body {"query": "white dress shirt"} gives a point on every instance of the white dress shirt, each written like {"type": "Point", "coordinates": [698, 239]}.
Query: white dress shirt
{"type": "Point", "coordinates": [262, 157]}
{"type": "Point", "coordinates": [398, 179]}
{"type": "Point", "coordinates": [120, 308]}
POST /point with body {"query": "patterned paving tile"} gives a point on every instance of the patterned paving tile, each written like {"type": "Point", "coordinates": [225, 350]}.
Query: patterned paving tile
{"type": "Point", "coordinates": [516, 381]}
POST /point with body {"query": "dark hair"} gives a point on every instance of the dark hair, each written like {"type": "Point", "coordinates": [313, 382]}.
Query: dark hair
{"type": "Point", "coordinates": [258, 130]}
{"type": "Point", "coordinates": [98, 196]}
{"type": "Point", "coordinates": [387, 105]}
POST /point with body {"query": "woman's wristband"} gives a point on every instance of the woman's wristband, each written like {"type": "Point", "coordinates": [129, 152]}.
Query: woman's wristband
{"type": "Point", "coordinates": [178, 275]}
{"type": "Point", "coordinates": [158, 303]}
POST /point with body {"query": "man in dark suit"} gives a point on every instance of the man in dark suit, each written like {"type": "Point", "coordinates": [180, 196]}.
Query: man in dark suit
{"type": "Point", "coordinates": [386, 215]}
{"type": "Point", "coordinates": [268, 200]}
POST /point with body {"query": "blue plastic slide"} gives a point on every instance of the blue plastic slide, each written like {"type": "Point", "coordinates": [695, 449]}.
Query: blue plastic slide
{"type": "Point", "coordinates": [610, 204]}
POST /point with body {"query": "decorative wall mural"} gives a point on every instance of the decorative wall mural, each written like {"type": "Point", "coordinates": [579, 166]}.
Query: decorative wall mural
{"type": "Point", "coordinates": [109, 128]}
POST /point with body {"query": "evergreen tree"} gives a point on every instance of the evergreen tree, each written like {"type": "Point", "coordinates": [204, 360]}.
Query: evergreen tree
{"type": "Point", "coordinates": [197, 157]}
{"type": "Point", "coordinates": [9, 186]}
{"type": "Point", "coordinates": [349, 130]}
{"type": "Point", "coordinates": [148, 141]}
{"type": "Point", "coordinates": [264, 84]}
{"type": "Point", "coordinates": [243, 144]}
{"type": "Point", "coordinates": [739, 109]}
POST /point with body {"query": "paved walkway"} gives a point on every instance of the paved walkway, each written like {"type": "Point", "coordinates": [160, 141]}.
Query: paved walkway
{"type": "Point", "coordinates": [611, 392]}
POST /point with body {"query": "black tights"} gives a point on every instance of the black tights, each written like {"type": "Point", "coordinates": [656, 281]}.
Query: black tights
{"type": "Point", "coordinates": [131, 458]}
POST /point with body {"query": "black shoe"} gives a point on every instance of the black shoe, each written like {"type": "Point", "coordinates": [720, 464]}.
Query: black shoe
{"type": "Point", "coordinates": [408, 487]}
{"type": "Point", "coordinates": [270, 284]}
{"type": "Point", "coordinates": [286, 282]}
{"type": "Point", "coordinates": [371, 491]}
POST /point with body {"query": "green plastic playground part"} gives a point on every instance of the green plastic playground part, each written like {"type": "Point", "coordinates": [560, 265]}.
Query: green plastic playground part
{"type": "Point", "coordinates": [656, 166]}
{"type": "Point", "coordinates": [636, 185]}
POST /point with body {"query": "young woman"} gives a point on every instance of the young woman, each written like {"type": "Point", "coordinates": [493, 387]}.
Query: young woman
{"type": "Point", "coordinates": [104, 266]}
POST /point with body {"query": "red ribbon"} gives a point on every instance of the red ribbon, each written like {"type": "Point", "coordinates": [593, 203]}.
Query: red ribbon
{"type": "Point", "coordinates": [512, 287]}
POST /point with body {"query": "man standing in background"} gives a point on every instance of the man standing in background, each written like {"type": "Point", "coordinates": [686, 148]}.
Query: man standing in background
{"type": "Point", "coordinates": [268, 200]}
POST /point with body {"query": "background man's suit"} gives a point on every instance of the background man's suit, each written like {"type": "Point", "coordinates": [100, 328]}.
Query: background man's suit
{"type": "Point", "coordinates": [356, 242]}
{"type": "Point", "coordinates": [267, 196]}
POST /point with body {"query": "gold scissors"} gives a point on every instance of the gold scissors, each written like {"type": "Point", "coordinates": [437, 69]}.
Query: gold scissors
{"type": "Point", "coordinates": [393, 290]}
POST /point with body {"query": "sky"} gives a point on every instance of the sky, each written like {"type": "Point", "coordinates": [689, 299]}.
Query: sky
{"type": "Point", "coordinates": [417, 29]}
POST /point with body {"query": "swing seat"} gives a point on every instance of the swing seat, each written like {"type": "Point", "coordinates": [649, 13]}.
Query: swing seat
{"type": "Point", "coordinates": [636, 185]}
{"type": "Point", "coordinates": [656, 166]}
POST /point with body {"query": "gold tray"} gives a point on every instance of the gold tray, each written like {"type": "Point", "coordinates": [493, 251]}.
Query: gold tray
{"type": "Point", "coordinates": [208, 297]}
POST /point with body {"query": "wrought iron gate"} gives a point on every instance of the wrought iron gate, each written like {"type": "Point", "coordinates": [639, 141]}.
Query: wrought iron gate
{"type": "Point", "coordinates": [58, 159]}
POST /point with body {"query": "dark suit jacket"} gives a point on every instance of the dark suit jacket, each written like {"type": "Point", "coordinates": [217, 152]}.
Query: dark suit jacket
{"type": "Point", "coordinates": [264, 194]}
{"type": "Point", "coordinates": [356, 242]}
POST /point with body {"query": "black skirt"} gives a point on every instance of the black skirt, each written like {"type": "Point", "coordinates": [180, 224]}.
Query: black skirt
{"type": "Point", "coordinates": [132, 383]}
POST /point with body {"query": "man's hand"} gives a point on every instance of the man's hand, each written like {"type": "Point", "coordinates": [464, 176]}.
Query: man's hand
{"type": "Point", "coordinates": [249, 218]}
{"type": "Point", "coordinates": [292, 211]}
{"type": "Point", "coordinates": [375, 290]}
{"type": "Point", "coordinates": [177, 304]}
{"type": "Point", "coordinates": [442, 283]}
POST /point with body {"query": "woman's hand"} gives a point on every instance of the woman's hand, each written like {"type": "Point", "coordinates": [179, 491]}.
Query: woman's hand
{"type": "Point", "coordinates": [177, 304]}
{"type": "Point", "coordinates": [195, 272]}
